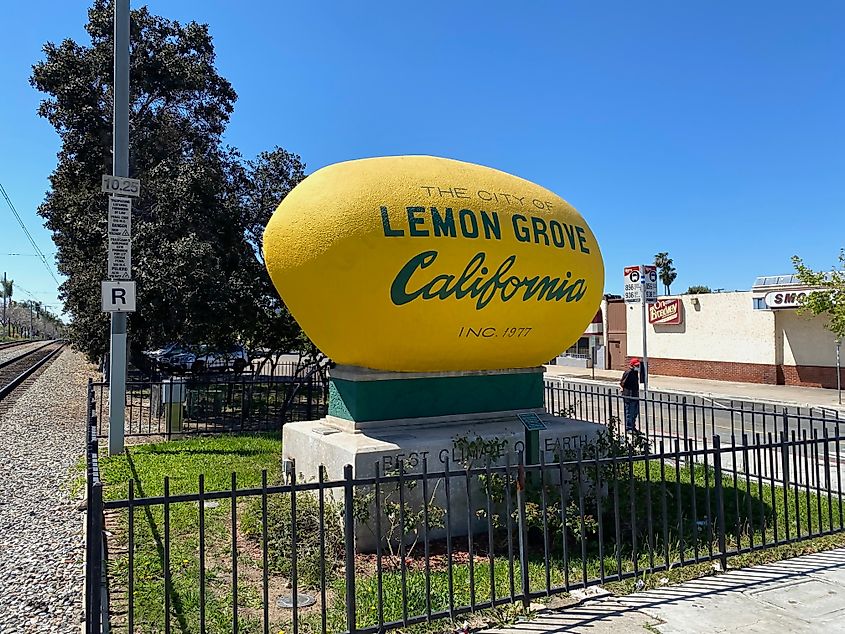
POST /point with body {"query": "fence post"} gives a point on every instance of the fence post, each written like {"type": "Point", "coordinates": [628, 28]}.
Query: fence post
{"type": "Point", "coordinates": [523, 538]}
{"type": "Point", "coordinates": [89, 584]}
{"type": "Point", "coordinates": [94, 560]}
{"type": "Point", "coordinates": [349, 538]}
{"type": "Point", "coordinates": [310, 397]}
{"type": "Point", "coordinates": [720, 502]}
{"type": "Point", "coordinates": [90, 404]}
{"type": "Point", "coordinates": [784, 459]}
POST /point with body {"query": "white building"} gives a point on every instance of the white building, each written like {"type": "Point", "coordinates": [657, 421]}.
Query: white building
{"type": "Point", "coordinates": [753, 336]}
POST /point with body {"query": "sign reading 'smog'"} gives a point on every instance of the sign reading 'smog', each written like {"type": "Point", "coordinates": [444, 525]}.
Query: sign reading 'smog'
{"type": "Point", "coordinates": [417, 263]}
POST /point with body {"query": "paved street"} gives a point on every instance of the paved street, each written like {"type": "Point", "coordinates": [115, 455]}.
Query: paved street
{"type": "Point", "coordinates": [801, 595]}
{"type": "Point", "coordinates": [720, 390]}
{"type": "Point", "coordinates": [713, 409]}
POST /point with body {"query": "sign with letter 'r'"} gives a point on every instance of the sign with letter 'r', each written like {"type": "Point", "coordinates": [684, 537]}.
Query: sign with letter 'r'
{"type": "Point", "coordinates": [118, 297]}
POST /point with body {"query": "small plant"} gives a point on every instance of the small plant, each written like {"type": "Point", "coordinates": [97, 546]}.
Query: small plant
{"type": "Point", "coordinates": [309, 527]}
{"type": "Point", "coordinates": [472, 451]}
{"type": "Point", "coordinates": [580, 480]}
{"type": "Point", "coordinates": [403, 521]}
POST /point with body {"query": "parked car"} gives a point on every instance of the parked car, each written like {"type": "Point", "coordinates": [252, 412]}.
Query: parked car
{"type": "Point", "coordinates": [159, 352]}
{"type": "Point", "coordinates": [234, 358]}
{"type": "Point", "coordinates": [174, 357]}
{"type": "Point", "coordinates": [180, 360]}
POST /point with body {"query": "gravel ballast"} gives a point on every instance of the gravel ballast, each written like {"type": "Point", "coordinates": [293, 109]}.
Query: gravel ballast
{"type": "Point", "coordinates": [41, 526]}
{"type": "Point", "coordinates": [15, 351]}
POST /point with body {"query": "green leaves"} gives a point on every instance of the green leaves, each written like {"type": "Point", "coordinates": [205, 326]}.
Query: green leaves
{"type": "Point", "coordinates": [666, 271]}
{"type": "Point", "coordinates": [197, 227]}
{"type": "Point", "coordinates": [829, 298]}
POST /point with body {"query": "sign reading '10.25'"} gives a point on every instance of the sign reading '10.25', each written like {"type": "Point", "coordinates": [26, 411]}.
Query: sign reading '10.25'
{"type": "Point", "coordinates": [121, 185]}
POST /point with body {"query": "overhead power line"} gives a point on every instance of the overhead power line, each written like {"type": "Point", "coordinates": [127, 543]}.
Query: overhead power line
{"type": "Point", "coordinates": [40, 253]}
{"type": "Point", "coordinates": [25, 290]}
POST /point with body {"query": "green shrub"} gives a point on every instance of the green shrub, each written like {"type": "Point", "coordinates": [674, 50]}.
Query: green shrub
{"type": "Point", "coordinates": [308, 531]}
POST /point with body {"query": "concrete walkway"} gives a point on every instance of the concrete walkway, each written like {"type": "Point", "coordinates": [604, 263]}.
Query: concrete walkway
{"type": "Point", "coordinates": [787, 394]}
{"type": "Point", "coordinates": [801, 595]}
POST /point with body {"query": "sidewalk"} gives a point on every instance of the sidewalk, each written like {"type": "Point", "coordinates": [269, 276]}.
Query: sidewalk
{"type": "Point", "coordinates": [801, 595]}
{"type": "Point", "coordinates": [789, 394]}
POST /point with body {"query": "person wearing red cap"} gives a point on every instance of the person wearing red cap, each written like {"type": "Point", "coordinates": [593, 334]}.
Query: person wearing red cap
{"type": "Point", "coordinates": [630, 385]}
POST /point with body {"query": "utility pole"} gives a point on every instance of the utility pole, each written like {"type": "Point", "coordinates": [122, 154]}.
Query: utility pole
{"type": "Point", "coordinates": [120, 167]}
{"type": "Point", "coordinates": [30, 319]}
{"type": "Point", "coordinates": [838, 370]}
{"type": "Point", "coordinates": [5, 323]}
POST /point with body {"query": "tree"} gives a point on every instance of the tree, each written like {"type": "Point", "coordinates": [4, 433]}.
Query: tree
{"type": "Point", "coordinates": [698, 290]}
{"type": "Point", "coordinates": [195, 244]}
{"type": "Point", "coordinates": [666, 271]}
{"type": "Point", "coordinates": [829, 298]}
{"type": "Point", "coordinates": [267, 180]}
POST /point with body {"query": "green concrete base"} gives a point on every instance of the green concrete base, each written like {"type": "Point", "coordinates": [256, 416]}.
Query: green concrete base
{"type": "Point", "coordinates": [361, 395]}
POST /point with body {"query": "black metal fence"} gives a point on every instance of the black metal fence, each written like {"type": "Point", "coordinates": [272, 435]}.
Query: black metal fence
{"type": "Point", "coordinates": [217, 404]}
{"type": "Point", "coordinates": [248, 402]}
{"type": "Point", "coordinates": [95, 571]}
{"type": "Point", "coordinates": [668, 416]}
{"type": "Point", "coordinates": [261, 555]}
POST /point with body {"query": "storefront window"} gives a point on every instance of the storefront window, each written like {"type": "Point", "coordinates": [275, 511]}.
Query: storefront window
{"type": "Point", "coordinates": [580, 348]}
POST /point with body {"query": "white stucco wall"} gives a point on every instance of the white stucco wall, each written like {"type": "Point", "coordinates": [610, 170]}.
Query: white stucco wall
{"type": "Point", "coordinates": [805, 339]}
{"type": "Point", "coordinates": [725, 327]}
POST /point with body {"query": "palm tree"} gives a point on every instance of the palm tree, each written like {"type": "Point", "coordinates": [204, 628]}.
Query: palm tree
{"type": "Point", "coordinates": [666, 272]}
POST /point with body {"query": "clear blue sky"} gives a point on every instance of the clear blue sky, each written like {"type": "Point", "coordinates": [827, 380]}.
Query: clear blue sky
{"type": "Point", "coordinates": [712, 130]}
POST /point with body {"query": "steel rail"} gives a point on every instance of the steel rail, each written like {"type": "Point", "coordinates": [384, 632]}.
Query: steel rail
{"type": "Point", "coordinates": [9, 362]}
{"type": "Point", "coordinates": [14, 383]}
{"type": "Point", "coordinates": [12, 344]}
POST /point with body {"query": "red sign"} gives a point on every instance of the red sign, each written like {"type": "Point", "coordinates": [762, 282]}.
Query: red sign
{"type": "Point", "coordinates": [666, 312]}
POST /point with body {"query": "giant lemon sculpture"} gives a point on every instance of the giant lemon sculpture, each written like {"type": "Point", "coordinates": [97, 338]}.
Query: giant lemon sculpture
{"type": "Point", "coordinates": [424, 264]}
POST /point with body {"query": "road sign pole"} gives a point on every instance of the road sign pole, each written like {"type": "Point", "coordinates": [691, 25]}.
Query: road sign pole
{"type": "Point", "coordinates": [838, 371]}
{"type": "Point", "coordinates": [645, 338]}
{"type": "Point", "coordinates": [645, 351]}
{"type": "Point", "coordinates": [120, 166]}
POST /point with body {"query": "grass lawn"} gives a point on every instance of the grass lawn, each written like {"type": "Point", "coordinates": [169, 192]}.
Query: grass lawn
{"type": "Point", "coordinates": [676, 501]}
{"type": "Point", "coordinates": [215, 458]}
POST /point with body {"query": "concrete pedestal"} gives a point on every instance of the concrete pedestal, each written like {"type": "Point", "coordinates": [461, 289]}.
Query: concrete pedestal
{"type": "Point", "coordinates": [455, 441]}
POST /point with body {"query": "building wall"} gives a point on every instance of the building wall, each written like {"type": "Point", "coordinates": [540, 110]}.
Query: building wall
{"type": "Point", "coordinates": [806, 341]}
{"type": "Point", "coordinates": [808, 350]}
{"type": "Point", "coordinates": [617, 335]}
{"type": "Point", "coordinates": [723, 328]}
{"type": "Point", "coordinates": [724, 338]}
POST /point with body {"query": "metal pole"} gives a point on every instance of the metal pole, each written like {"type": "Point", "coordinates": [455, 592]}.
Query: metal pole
{"type": "Point", "coordinates": [645, 345]}
{"type": "Point", "coordinates": [523, 537]}
{"type": "Point", "coordinates": [838, 371]}
{"type": "Point", "coordinates": [5, 323]}
{"type": "Point", "coordinates": [120, 154]}
{"type": "Point", "coordinates": [349, 547]}
{"type": "Point", "coordinates": [644, 366]}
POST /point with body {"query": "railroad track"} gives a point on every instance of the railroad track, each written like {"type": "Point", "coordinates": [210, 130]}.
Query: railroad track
{"type": "Point", "coordinates": [14, 371]}
{"type": "Point", "coordinates": [14, 344]}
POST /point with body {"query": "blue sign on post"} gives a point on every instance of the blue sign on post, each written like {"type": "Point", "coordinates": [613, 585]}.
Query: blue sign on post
{"type": "Point", "coordinates": [531, 421]}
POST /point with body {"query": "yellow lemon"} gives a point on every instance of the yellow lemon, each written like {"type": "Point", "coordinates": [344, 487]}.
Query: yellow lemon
{"type": "Point", "coordinates": [425, 264]}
